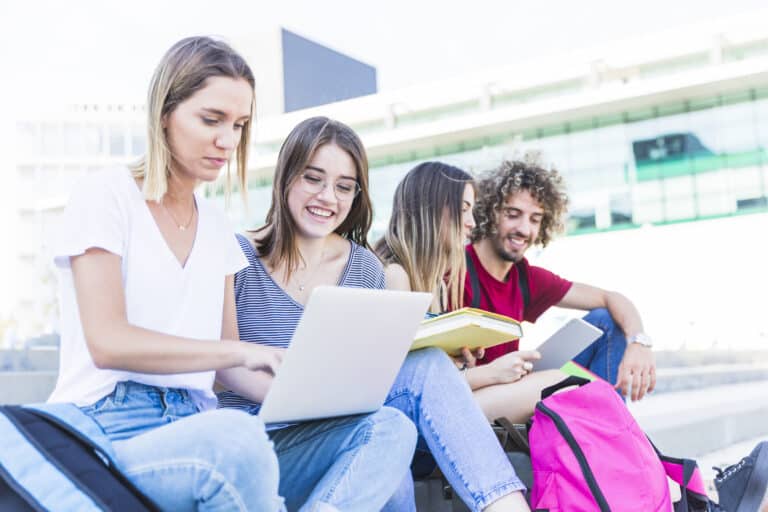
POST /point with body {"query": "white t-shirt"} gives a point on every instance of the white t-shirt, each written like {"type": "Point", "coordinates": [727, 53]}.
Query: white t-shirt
{"type": "Point", "coordinates": [107, 210]}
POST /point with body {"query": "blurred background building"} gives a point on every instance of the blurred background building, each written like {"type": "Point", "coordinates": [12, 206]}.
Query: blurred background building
{"type": "Point", "coordinates": [662, 141]}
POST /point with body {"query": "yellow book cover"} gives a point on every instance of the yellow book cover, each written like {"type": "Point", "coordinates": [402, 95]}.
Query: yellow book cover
{"type": "Point", "coordinates": [466, 327]}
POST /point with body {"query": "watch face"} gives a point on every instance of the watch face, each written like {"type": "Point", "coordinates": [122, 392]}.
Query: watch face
{"type": "Point", "coordinates": [642, 339]}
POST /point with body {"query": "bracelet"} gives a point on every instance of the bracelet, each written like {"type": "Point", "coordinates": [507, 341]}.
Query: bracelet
{"type": "Point", "coordinates": [463, 367]}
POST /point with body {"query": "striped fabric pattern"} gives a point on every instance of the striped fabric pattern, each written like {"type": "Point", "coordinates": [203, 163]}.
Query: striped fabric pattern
{"type": "Point", "coordinates": [266, 314]}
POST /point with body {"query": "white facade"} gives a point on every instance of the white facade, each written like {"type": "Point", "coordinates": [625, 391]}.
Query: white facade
{"type": "Point", "coordinates": [54, 150]}
{"type": "Point", "coordinates": [682, 81]}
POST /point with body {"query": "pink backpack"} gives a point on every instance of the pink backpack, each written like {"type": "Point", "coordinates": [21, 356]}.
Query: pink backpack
{"type": "Point", "coordinates": [588, 454]}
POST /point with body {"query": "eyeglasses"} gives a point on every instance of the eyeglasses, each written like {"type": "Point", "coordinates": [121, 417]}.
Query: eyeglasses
{"type": "Point", "coordinates": [345, 188]}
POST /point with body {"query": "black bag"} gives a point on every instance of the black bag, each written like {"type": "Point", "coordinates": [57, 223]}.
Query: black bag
{"type": "Point", "coordinates": [49, 460]}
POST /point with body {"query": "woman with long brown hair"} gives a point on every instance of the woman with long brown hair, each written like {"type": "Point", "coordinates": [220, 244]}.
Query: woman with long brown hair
{"type": "Point", "coordinates": [315, 234]}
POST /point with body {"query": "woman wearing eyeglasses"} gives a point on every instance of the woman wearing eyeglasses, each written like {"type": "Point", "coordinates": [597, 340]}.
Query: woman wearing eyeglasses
{"type": "Point", "coordinates": [315, 234]}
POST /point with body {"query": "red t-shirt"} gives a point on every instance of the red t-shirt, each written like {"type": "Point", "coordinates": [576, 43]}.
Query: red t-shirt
{"type": "Point", "coordinates": [546, 290]}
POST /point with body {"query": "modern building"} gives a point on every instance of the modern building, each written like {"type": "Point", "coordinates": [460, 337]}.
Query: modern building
{"type": "Point", "coordinates": [54, 150]}
{"type": "Point", "coordinates": [664, 145]}
{"type": "Point", "coordinates": [662, 142]}
{"type": "Point", "coordinates": [293, 72]}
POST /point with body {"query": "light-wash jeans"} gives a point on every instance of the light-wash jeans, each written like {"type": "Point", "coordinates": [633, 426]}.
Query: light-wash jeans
{"type": "Point", "coordinates": [217, 460]}
{"type": "Point", "coordinates": [438, 400]}
{"type": "Point", "coordinates": [352, 463]}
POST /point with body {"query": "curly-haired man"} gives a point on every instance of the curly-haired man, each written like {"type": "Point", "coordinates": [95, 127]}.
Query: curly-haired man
{"type": "Point", "coordinates": [519, 205]}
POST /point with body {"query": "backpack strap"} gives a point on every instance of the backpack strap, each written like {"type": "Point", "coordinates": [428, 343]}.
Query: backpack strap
{"type": "Point", "coordinates": [81, 465]}
{"type": "Point", "coordinates": [513, 436]}
{"type": "Point", "coordinates": [566, 383]}
{"type": "Point", "coordinates": [474, 282]}
{"type": "Point", "coordinates": [522, 281]}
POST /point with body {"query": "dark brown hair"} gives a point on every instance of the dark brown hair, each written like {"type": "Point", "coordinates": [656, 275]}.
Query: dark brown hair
{"type": "Point", "coordinates": [276, 239]}
{"type": "Point", "coordinates": [546, 186]}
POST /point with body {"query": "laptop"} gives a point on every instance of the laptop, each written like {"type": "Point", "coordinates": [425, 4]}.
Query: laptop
{"type": "Point", "coordinates": [345, 353]}
{"type": "Point", "coordinates": [565, 344]}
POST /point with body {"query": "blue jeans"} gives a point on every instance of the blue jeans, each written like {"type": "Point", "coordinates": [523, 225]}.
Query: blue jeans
{"type": "Point", "coordinates": [172, 453]}
{"type": "Point", "coordinates": [438, 400]}
{"type": "Point", "coordinates": [352, 463]}
{"type": "Point", "coordinates": [218, 460]}
{"type": "Point", "coordinates": [604, 355]}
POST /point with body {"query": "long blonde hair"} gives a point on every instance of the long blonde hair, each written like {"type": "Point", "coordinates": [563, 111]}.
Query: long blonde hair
{"type": "Point", "coordinates": [425, 234]}
{"type": "Point", "coordinates": [182, 71]}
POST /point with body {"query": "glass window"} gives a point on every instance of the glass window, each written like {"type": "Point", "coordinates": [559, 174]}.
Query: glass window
{"type": "Point", "coordinates": [647, 205]}
{"type": "Point", "coordinates": [761, 123]}
{"type": "Point", "coordinates": [138, 140]}
{"type": "Point", "coordinates": [117, 140]}
{"type": "Point", "coordinates": [714, 194]}
{"type": "Point", "coordinates": [737, 128]}
{"type": "Point", "coordinates": [72, 139]}
{"type": "Point", "coordinates": [621, 209]}
{"type": "Point", "coordinates": [51, 140]}
{"type": "Point", "coordinates": [28, 139]}
{"type": "Point", "coordinates": [554, 151]}
{"type": "Point", "coordinates": [679, 200]}
{"type": "Point", "coordinates": [91, 136]}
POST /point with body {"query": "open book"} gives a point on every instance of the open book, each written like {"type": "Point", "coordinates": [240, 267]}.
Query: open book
{"type": "Point", "coordinates": [466, 327]}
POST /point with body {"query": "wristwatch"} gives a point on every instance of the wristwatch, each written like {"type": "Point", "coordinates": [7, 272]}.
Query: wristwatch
{"type": "Point", "coordinates": [641, 338]}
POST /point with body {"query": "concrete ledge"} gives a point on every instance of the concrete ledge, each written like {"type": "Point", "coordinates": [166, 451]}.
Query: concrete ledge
{"type": "Point", "coordinates": [695, 422]}
{"type": "Point", "coordinates": [26, 387]}
{"type": "Point", "coordinates": [33, 359]}
{"type": "Point", "coordinates": [697, 377]}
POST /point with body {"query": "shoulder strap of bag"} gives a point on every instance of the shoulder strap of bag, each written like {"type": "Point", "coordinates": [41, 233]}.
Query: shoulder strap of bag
{"type": "Point", "coordinates": [514, 436]}
{"type": "Point", "coordinates": [82, 460]}
{"type": "Point", "coordinates": [522, 281]}
{"type": "Point", "coordinates": [474, 282]}
{"type": "Point", "coordinates": [566, 383]}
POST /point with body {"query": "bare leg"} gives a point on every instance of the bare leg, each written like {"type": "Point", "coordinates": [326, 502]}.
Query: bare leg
{"type": "Point", "coordinates": [516, 400]}
{"type": "Point", "coordinates": [514, 502]}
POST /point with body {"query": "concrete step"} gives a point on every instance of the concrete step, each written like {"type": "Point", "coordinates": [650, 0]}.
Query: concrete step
{"type": "Point", "coordinates": [34, 359]}
{"type": "Point", "coordinates": [695, 422]}
{"type": "Point", "coordinates": [26, 387]}
{"type": "Point", "coordinates": [672, 379]}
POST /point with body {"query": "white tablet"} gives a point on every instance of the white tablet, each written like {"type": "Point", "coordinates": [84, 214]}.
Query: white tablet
{"type": "Point", "coordinates": [565, 344]}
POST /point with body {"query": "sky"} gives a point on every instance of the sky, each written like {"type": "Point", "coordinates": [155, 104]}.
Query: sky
{"type": "Point", "coordinates": [76, 50]}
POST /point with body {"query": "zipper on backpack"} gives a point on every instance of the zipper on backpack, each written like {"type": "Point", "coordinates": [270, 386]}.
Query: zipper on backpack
{"type": "Point", "coordinates": [597, 494]}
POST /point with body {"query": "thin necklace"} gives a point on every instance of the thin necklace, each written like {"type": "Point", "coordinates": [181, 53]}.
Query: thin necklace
{"type": "Point", "coordinates": [182, 227]}
{"type": "Point", "coordinates": [309, 278]}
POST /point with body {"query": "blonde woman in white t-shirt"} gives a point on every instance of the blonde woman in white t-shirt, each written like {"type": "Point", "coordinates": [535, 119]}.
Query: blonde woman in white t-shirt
{"type": "Point", "coordinates": [147, 304]}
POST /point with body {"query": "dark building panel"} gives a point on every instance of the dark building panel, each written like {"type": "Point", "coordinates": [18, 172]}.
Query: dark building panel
{"type": "Point", "coordinates": [315, 75]}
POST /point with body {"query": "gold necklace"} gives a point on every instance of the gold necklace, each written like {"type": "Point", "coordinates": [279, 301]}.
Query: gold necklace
{"type": "Point", "coordinates": [182, 227]}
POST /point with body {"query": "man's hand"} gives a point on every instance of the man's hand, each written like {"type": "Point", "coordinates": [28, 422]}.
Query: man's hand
{"type": "Point", "coordinates": [468, 358]}
{"type": "Point", "coordinates": [514, 366]}
{"type": "Point", "coordinates": [637, 371]}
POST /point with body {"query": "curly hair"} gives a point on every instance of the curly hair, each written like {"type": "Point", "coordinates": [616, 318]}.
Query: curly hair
{"type": "Point", "coordinates": [545, 186]}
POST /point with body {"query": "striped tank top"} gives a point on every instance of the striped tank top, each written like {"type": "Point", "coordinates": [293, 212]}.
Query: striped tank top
{"type": "Point", "coordinates": [266, 314]}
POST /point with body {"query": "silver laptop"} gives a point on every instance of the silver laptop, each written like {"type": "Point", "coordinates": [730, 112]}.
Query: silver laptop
{"type": "Point", "coordinates": [345, 353]}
